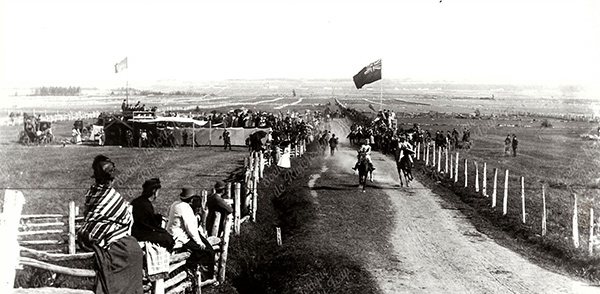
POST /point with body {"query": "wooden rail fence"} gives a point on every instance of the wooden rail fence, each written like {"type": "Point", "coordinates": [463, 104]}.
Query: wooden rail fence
{"type": "Point", "coordinates": [435, 167]}
{"type": "Point", "coordinates": [40, 241]}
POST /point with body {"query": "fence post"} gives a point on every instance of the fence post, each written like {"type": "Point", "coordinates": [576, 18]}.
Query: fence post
{"type": "Point", "coordinates": [456, 173]}
{"type": "Point", "coordinates": [439, 163]}
{"type": "Point", "coordinates": [278, 232]}
{"type": "Point", "coordinates": [254, 198]}
{"type": "Point", "coordinates": [204, 208]}
{"type": "Point", "coordinates": [505, 200]}
{"type": "Point", "coordinates": [426, 155]}
{"type": "Point", "coordinates": [446, 159]}
{"type": "Point", "coordinates": [261, 165]}
{"type": "Point", "coordinates": [495, 188]}
{"type": "Point", "coordinates": [484, 180]}
{"type": "Point", "coordinates": [466, 174]}
{"type": "Point", "coordinates": [451, 174]}
{"type": "Point", "coordinates": [227, 192]}
{"type": "Point", "coordinates": [476, 177]}
{"type": "Point", "coordinates": [72, 214]}
{"type": "Point", "coordinates": [575, 223]}
{"type": "Point", "coordinates": [237, 208]}
{"type": "Point", "coordinates": [591, 243]}
{"type": "Point", "coordinates": [256, 168]}
{"type": "Point", "coordinates": [224, 248]}
{"type": "Point", "coordinates": [9, 228]}
{"type": "Point", "coordinates": [543, 210]}
{"type": "Point", "coordinates": [523, 198]}
{"type": "Point", "coordinates": [418, 150]}
{"type": "Point", "coordinates": [433, 157]}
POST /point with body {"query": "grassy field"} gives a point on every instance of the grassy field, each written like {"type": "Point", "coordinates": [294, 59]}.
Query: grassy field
{"type": "Point", "coordinates": [50, 176]}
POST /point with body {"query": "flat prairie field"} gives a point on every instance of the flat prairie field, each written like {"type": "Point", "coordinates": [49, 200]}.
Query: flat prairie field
{"type": "Point", "coordinates": [51, 176]}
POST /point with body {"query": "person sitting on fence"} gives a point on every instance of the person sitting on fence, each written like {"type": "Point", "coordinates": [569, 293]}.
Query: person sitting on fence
{"type": "Point", "coordinates": [105, 231]}
{"type": "Point", "coordinates": [215, 203]}
{"type": "Point", "coordinates": [146, 223]}
{"type": "Point", "coordinates": [365, 152]}
{"type": "Point", "coordinates": [182, 224]}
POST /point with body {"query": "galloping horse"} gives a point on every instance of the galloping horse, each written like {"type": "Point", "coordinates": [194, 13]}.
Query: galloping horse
{"type": "Point", "coordinates": [364, 170]}
{"type": "Point", "coordinates": [404, 166]}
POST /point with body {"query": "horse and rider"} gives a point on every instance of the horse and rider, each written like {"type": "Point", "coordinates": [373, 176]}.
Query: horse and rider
{"type": "Point", "coordinates": [404, 161]}
{"type": "Point", "coordinates": [364, 165]}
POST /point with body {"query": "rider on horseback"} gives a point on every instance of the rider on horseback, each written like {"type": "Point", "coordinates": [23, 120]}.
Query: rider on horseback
{"type": "Point", "coordinates": [406, 149]}
{"type": "Point", "coordinates": [365, 153]}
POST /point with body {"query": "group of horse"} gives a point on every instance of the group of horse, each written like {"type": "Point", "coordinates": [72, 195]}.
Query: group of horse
{"type": "Point", "coordinates": [388, 141]}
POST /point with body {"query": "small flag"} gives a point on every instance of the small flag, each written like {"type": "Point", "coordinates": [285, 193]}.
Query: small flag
{"type": "Point", "coordinates": [368, 74]}
{"type": "Point", "coordinates": [119, 67]}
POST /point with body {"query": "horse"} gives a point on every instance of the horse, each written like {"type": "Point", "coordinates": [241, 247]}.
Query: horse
{"type": "Point", "coordinates": [364, 170]}
{"type": "Point", "coordinates": [404, 166]}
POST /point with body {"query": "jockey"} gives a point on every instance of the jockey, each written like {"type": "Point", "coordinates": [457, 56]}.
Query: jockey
{"type": "Point", "coordinates": [365, 150]}
{"type": "Point", "coordinates": [405, 145]}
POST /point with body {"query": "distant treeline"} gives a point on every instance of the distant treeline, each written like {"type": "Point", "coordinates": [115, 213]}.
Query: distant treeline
{"type": "Point", "coordinates": [132, 91]}
{"type": "Point", "coordinates": [57, 91]}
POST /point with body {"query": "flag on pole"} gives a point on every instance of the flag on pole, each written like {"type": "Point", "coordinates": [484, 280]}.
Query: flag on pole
{"type": "Point", "coordinates": [368, 74]}
{"type": "Point", "coordinates": [119, 67]}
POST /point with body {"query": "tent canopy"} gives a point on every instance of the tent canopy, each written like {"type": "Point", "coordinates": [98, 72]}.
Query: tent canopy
{"type": "Point", "coordinates": [174, 119]}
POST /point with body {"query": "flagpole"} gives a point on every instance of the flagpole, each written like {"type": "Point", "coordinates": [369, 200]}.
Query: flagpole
{"type": "Point", "coordinates": [381, 91]}
{"type": "Point", "coordinates": [127, 89]}
{"type": "Point", "coordinates": [381, 95]}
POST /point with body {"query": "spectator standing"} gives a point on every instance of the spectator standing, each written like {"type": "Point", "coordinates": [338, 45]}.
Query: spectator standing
{"type": "Point", "coordinates": [515, 143]}
{"type": "Point", "coordinates": [226, 139]}
{"type": "Point", "coordinates": [333, 142]}
{"type": "Point", "coordinates": [184, 137]}
{"type": "Point", "coordinates": [507, 145]}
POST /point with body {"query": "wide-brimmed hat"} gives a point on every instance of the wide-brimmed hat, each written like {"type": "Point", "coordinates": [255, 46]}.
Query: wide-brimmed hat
{"type": "Point", "coordinates": [104, 168]}
{"type": "Point", "coordinates": [220, 185]}
{"type": "Point", "coordinates": [153, 183]}
{"type": "Point", "coordinates": [187, 192]}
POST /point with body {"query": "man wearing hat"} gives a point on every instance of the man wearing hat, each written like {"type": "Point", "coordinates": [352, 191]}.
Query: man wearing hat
{"type": "Point", "coordinates": [183, 226]}
{"type": "Point", "coordinates": [106, 232]}
{"type": "Point", "coordinates": [147, 223]}
{"type": "Point", "coordinates": [215, 203]}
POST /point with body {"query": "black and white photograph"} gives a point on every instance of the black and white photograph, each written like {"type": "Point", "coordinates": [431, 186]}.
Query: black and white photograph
{"type": "Point", "coordinates": [241, 147]}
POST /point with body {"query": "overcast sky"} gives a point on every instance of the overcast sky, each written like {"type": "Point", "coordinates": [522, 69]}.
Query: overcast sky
{"type": "Point", "coordinates": [478, 41]}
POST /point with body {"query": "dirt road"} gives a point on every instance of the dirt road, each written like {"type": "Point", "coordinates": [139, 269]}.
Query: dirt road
{"type": "Point", "coordinates": [435, 249]}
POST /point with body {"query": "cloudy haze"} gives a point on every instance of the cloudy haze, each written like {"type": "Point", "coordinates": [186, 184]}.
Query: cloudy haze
{"type": "Point", "coordinates": [483, 41]}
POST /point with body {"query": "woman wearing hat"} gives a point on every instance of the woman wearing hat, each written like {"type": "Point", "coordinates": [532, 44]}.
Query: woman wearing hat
{"type": "Point", "coordinates": [105, 231]}
{"type": "Point", "coordinates": [147, 223]}
{"type": "Point", "coordinates": [183, 226]}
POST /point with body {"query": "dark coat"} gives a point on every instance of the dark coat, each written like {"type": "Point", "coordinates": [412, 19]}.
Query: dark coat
{"type": "Point", "coordinates": [215, 203]}
{"type": "Point", "coordinates": [147, 224]}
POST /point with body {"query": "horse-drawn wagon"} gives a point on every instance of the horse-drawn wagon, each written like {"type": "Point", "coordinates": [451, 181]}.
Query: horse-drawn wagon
{"type": "Point", "coordinates": [35, 131]}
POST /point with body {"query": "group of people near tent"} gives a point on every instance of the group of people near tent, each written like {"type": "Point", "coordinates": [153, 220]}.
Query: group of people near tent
{"type": "Point", "coordinates": [114, 229]}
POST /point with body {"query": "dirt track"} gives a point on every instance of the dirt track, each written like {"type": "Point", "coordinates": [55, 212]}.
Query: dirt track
{"type": "Point", "coordinates": [436, 249]}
